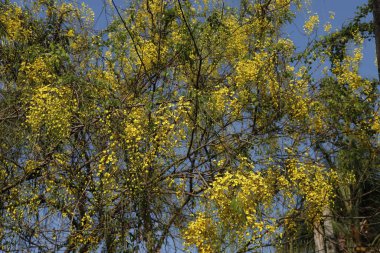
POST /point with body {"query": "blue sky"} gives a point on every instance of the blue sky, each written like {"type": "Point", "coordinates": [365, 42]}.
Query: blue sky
{"type": "Point", "coordinates": [344, 11]}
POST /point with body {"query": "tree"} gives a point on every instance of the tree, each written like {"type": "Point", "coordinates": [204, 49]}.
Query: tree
{"type": "Point", "coordinates": [181, 124]}
{"type": "Point", "coordinates": [355, 148]}
{"type": "Point", "coordinates": [376, 17]}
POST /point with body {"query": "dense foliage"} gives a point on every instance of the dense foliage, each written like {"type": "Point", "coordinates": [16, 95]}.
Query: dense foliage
{"type": "Point", "coordinates": [182, 125]}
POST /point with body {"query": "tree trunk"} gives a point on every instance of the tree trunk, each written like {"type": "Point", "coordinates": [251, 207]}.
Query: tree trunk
{"type": "Point", "coordinates": [329, 232]}
{"type": "Point", "coordinates": [318, 238]}
{"type": "Point", "coordinates": [324, 238]}
{"type": "Point", "coordinates": [376, 21]}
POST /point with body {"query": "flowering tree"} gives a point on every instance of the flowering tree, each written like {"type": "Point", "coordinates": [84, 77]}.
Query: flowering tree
{"type": "Point", "coordinates": [182, 124]}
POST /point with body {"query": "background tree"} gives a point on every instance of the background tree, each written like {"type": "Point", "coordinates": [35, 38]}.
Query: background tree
{"type": "Point", "coordinates": [349, 141]}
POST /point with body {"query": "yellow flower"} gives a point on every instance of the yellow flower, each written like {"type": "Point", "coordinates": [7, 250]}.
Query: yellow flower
{"type": "Point", "coordinates": [70, 33]}
{"type": "Point", "coordinates": [327, 27]}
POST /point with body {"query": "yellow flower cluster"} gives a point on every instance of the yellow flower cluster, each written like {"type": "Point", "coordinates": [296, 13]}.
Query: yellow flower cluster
{"type": "Point", "coordinates": [135, 126]}
{"type": "Point", "coordinates": [297, 94]}
{"type": "Point", "coordinates": [152, 138]}
{"type": "Point", "coordinates": [245, 201]}
{"type": "Point", "coordinates": [246, 191]}
{"type": "Point", "coordinates": [347, 71]}
{"type": "Point", "coordinates": [237, 38]}
{"type": "Point", "coordinates": [87, 234]}
{"type": "Point", "coordinates": [106, 83]}
{"type": "Point", "coordinates": [202, 233]}
{"type": "Point", "coordinates": [50, 110]}
{"type": "Point", "coordinates": [240, 202]}
{"type": "Point", "coordinates": [316, 120]}
{"type": "Point", "coordinates": [13, 22]}
{"type": "Point", "coordinates": [37, 72]}
{"type": "Point", "coordinates": [287, 46]}
{"type": "Point", "coordinates": [314, 183]}
{"type": "Point", "coordinates": [220, 101]}
{"type": "Point", "coordinates": [149, 54]}
{"type": "Point", "coordinates": [248, 70]}
{"type": "Point", "coordinates": [327, 27]}
{"type": "Point", "coordinates": [282, 3]}
{"type": "Point", "coordinates": [376, 123]}
{"type": "Point", "coordinates": [311, 24]}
